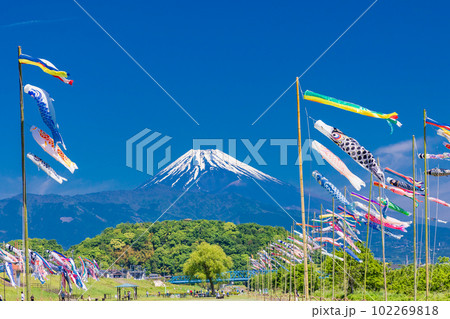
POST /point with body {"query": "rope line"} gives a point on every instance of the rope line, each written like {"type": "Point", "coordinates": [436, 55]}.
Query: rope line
{"type": "Point", "coordinates": [315, 61]}
{"type": "Point", "coordinates": [144, 232]}
{"type": "Point", "coordinates": [435, 231]}
{"type": "Point", "coordinates": [136, 62]}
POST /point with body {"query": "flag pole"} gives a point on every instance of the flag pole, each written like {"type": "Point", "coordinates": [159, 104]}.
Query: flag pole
{"type": "Point", "coordinates": [426, 201]}
{"type": "Point", "coordinates": [302, 195]}
{"type": "Point", "coordinates": [367, 240]}
{"type": "Point", "coordinates": [345, 259]}
{"type": "Point", "coordinates": [414, 216]}
{"type": "Point", "coordinates": [313, 291]}
{"type": "Point", "coordinates": [290, 271]}
{"type": "Point", "coordinates": [295, 264]}
{"type": "Point", "coordinates": [321, 258]}
{"type": "Point", "coordinates": [24, 185]}
{"type": "Point", "coordinates": [270, 274]}
{"type": "Point", "coordinates": [334, 253]}
{"type": "Point", "coordinates": [383, 242]}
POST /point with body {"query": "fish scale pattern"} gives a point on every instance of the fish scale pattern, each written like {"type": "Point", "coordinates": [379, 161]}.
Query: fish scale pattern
{"type": "Point", "coordinates": [45, 105]}
{"type": "Point", "coordinates": [325, 183]}
{"type": "Point", "coordinates": [357, 152]}
{"type": "Point", "coordinates": [439, 172]}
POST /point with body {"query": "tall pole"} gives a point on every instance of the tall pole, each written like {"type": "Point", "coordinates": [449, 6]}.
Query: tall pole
{"type": "Point", "coordinates": [383, 243]}
{"type": "Point", "coordinates": [295, 264]}
{"type": "Point", "coordinates": [275, 284]}
{"type": "Point", "coordinates": [321, 259]}
{"type": "Point", "coordinates": [270, 271]}
{"type": "Point", "coordinates": [270, 274]}
{"type": "Point", "coordinates": [345, 257]}
{"type": "Point", "coordinates": [258, 283]}
{"type": "Point", "coordinates": [313, 290]}
{"type": "Point", "coordinates": [249, 283]}
{"type": "Point", "coordinates": [263, 282]}
{"type": "Point", "coordinates": [426, 202]}
{"type": "Point", "coordinates": [414, 215]}
{"type": "Point", "coordinates": [4, 279]}
{"type": "Point", "coordinates": [285, 283]}
{"type": "Point", "coordinates": [290, 273]}
{"type": "Point", "coordinates": [302, 195]}
{"type": "Point", "coordinates": [255, 288]}
{"type": "Point", "coordinates": [24, 185]}
{"type": "Point", "coordinates": [252, 275]}
{"type": "Point", "coordinates": [367, 238]}
{"type": "Point", "coordinates": [334, 254]}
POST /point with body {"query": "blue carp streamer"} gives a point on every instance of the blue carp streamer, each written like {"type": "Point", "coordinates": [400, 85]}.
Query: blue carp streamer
{"type": "Point", "coordinates": [334, 192]}
{"type": "Point", "coordinates": [45, 105]}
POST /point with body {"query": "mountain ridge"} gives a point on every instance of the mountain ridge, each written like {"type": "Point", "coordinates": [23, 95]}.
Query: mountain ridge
{"type": "Point", "coordinates": [223, 192]}
{"type": "Point", "coordinates": [194, 165]}
{"type": "Point", "coordinates": [220, 187]}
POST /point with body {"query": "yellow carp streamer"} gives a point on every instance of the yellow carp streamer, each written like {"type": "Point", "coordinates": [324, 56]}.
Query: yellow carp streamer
{"type": "Point", "coordinates": [392, 118]}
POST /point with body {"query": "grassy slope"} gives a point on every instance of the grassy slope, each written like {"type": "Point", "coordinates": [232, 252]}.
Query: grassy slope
{"type": "Point", "coordinates": [96, 289]}
{"type": "Point", "coordinates": [107, 286]}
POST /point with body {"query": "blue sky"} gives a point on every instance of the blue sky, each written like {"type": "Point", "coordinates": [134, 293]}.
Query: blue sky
{"type": "Point", "coordinates": [225, 63]}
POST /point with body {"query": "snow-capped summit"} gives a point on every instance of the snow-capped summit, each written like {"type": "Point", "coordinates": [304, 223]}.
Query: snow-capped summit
{"type": "Point", "coordinates": [214, 170]}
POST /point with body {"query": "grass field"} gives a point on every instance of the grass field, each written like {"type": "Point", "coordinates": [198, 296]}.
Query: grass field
{"type": "Point", "coordinates": [96, 289]}
{"type": "Point", "coordinates": [106, 286]}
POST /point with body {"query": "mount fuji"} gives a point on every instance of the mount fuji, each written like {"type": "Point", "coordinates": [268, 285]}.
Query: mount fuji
{"type": "Point", "coordinates": [211, 170]}
{"type": "Point", "coordinates": [201, 184]}
{"type": "Point", "coordinates": [215, 186]}
{"type": "Point", "coordinates": [215, 172]}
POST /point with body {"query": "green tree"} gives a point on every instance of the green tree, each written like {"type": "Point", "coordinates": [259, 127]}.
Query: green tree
{"type": "Point", "coordinates": [355, 271]}
{"type": "Point", "coordinates": [39, 245]}
{"type": "Point", "coordinates": [168, 244]}
{"type": "Point", "coordinates": [207, 262]}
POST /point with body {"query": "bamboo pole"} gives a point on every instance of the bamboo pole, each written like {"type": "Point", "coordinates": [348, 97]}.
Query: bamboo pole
{"type": "Point", "coordinates": [426, 203]}
{"type": "Point", "coordinates": [24, 185]}
{"type": "Point", "coordinates": [313, 291]}
{"type": "Point", "coordinates": [321, 258]}
{"type": "Point", "coordinates": [276, 280]}
{"type": "Point", "coordinates": [256, 283]}
{"type": "Point", "coordinates": [270, 274]}
{"type": "Point", "coordinates": [345, 254]}
{"type": "Point", "coordinates": [302, 195]}
{"type": "Point", "coordinates": [255, 288]}
{"type": "Point", "coordinates": [258, 286]}
{"type": "Point", "coordinates": [285, 282]}
{"type": "Point", "coordinates": [414, 216]}
{"type": "Point", "coordinates": [310, 274]}
{"type": "Point", "coordinates": [263, 282]}
{"type": "Point", "coordinates": [334, 253]}
{"type": "Point", "coordinates": [383, 243]}
{"type": "Point", "coordinates": [4, 280]}
{"type": "Point", "coordinates": [290, 273]}
{"type": "Point", "coordinates": [295, 264]}
{"type": "Point", "coordinates": [367, 240]}
{"type": "Point", "coordinates": [252, 279]}
{"type": "Point", "coordinates": [248, 276]}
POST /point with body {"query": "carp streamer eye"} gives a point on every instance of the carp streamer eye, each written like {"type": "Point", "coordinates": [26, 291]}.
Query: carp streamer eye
{"type": "Point", "coordinates": [336, 136]}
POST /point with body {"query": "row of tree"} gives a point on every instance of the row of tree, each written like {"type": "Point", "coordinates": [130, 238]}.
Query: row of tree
{"type": "Point", "coordinates": [326, 277]}
{"type": "Point", "coordinates": [167, 245]}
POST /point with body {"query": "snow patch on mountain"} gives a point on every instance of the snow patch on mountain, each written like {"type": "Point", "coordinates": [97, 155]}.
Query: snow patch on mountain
{"type": "Point", "coordinates": [196, 163]}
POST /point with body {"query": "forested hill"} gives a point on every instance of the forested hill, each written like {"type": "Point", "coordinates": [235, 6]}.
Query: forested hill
{"type": "Point", "coordinates": [167, 245]}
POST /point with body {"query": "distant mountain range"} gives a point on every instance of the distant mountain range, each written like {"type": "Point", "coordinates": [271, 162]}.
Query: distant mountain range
{"type": "Point", "coordinates": [216, 186]}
